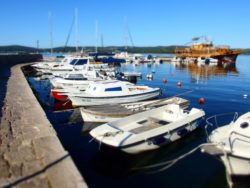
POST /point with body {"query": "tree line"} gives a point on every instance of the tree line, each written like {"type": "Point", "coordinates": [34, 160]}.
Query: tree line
{"type": "Point", "coordinates": [136, 49]}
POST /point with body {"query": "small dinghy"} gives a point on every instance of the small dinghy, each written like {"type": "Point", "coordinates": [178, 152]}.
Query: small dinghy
{"type": "Point", "coordinates": [231, 143]}
{"type": "Point", "coordinates": [111, 112]}
{"type": "Point", "coordinates": [148, 130]}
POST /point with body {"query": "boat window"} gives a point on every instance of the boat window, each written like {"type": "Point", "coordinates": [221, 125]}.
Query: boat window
{"type": "Point", "coordinates": [73, 62]}
{"type": "Point", "coordinates": [113, 89]}
{"type": "Point", "coordinates": [75, 76]}
{"type": "Point", "coordinates": [81, 62]}
{"type": "Point", "coordinates": [244, 125]}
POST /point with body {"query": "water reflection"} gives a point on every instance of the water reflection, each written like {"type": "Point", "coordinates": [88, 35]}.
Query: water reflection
{"type": "Point", "coordinates": [116, 163]}
{"type": "Point", "coordinates": [62, 105]}
{"type": "Point", "coordinates": [200, 74]}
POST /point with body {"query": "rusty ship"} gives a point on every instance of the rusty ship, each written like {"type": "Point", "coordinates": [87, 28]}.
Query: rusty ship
{"type": "Point", "coordinates": [202, 47]}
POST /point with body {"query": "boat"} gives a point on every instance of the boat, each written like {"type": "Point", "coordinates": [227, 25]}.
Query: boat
{"type": "Point", "coordinates": [71, 82]}
{"type": "Point", "coordinates": [203, 47]}
{"type": "Point", "coordinates": [75, 64]}
{"type": "Point", "coordinates": [61, 94]}
{"type": "Point", "coordinates": [39, 66]}
{"type": "Point", "coordinates": [113, 92]}
{"type": "Point", "coordinates": [112, 112]}
{"type": "Point", "coordinates": [77, 78]}
{"type": "Point", "coordinates": [148, 130]}
{"type": "Point", "coordinates": [231, 143]}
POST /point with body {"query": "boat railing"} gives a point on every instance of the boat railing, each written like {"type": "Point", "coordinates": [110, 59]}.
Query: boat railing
{"type": "Point", "coordinates": [215, 121]}
{"type": "Point", "coordinates": [232, 140]}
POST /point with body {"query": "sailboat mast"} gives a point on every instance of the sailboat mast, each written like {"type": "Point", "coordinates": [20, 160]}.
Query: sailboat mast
{"type": "Point", "coordinates": [96, 35]}
{"type": "Point", "coordinates": [102, 43]}
{"type": "Point", "coordinates": [51, 32]}
{"type": "Point", "coordinates": [76, 28]}
{"type": "Point", "coordinates": [126, 33]}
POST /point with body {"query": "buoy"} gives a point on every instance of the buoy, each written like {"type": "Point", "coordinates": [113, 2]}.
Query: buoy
{"type": "Point", "coordinates": [164, 80]}
{"type": "Point", "coordinates": [149, 76]}
{"type": "Point", "coordinates": [202, 100]}
{"type": "Point", "coordinates": [245, 96]}
{"type": "Point", "coordinates": [179, 84]}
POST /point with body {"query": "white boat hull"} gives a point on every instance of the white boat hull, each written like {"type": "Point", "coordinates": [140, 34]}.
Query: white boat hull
{"type": "Point", "coordinates": [233, 142]}
{"type": "Point", "coordinates": [236, 166]}
{"type": "Point", "coordinates": [88, 117]}
{"type": "Point", "coordinates": [70, 84]}
{"type": "Point", "coordinates": [152, 144]}
{"type": "Point", "coordinates": [90, 101]}
{"type": "Point", "coordinates": [148, 130]}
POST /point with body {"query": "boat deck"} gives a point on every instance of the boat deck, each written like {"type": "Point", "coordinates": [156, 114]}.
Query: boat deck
{"type": "Point", "coordinates": [114, 109]}
{"type": "Point", "coordinates": [148, 124]}
{"type": "Point", "coordinates": [125, 110]}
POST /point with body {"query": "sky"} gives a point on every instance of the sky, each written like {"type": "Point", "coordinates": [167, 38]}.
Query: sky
{"type": "Point", "coordinates": [108, 22]}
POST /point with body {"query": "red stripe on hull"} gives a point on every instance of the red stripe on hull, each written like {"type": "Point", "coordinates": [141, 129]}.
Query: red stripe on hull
{"type": "Point", "coordinates": [59, 96]}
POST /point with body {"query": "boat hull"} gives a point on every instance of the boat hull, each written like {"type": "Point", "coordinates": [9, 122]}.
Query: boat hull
{"type": "Point", "coordinates": [159, 141]}
{"type": "Point", "coordinates": [229, 59]}
{"type": "Point", "coordinates": [90, 101]}
{"type": "Point", "coordinates": [60, 96]}
{"type": "Point", "coordinates": [236, 166]}
{"type": "Point", "coordinates": [91, 117]}
{"type": "Point", "coordinates": [108, 113]}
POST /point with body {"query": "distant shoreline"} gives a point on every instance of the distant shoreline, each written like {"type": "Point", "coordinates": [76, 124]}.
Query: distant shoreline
{"type": "Point", "coordinates": [146, 49]}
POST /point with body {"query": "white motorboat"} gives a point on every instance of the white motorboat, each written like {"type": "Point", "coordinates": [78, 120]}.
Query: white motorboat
{"type": "Point", "coordinates": [77, 78]}
{"type": "Point", "coordinates": [112, 112]}
{"type": "Point", "coordinates": [113, 92]}
{"type": "Point", "coordinates": [61, 94]}
{"type": "Point", "coordinates": [231, 143]}
{"type": "Point", "coordinates": [75, 64]}
{"type": "Point", "coordinates": [42, 66]}
{"type": "Point", "coordinates": [148, 130]}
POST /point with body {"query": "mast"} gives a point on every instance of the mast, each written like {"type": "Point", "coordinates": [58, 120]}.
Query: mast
{"type": "Point", "coordinates": [37, 46]}
{"type": "Point", "coordinates": [51, 32]}
{"type": "Point", "coordinates": [76, 28]}
{"type": "Point", "coordinates": [102, 43]}
{"type": "Point", "coordinates": [96, 35]}
{"type": "Point", "coordinates": [126, 33]}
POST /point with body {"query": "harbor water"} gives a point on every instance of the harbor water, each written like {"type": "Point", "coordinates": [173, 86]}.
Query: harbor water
{"type": "Point", "coordinates": [224, 90]}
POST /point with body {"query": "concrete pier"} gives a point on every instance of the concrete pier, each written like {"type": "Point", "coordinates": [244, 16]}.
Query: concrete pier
{"type": "Point", "coordinates": [31, 154]}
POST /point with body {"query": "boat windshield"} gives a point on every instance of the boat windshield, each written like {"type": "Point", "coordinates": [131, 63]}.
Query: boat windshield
{"type": "Point", "coordinates": [79, 62]}
{"type": "Point", "coordinates": [113, 89]}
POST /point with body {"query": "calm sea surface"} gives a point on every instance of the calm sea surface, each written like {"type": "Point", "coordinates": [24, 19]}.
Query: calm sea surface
{"type": "Point", "coordinates": [222, 89]}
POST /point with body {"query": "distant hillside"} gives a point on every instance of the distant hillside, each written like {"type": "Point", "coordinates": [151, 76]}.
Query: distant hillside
{"type": "Point", "coordinates": [155, 49]}
{"type": "Point", "coordinates": [16, 48]}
